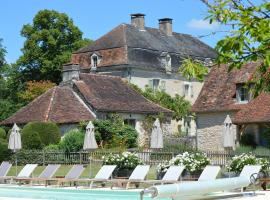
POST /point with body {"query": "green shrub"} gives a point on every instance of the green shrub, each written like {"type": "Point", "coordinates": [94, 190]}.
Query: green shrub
{"type": "Point", "coordinates": [129, 135]}
{"type": "Point", "coordinates": [51, 147]}
{"type": "Point", "coordinates": [5, 153]}
{"type": "Point", "coordinates": [2, 133]}
{"type": "Point", "coordinates": [31, 140]}
{"type": "Point", "coordinates": [105, 129]}
{"type": "Point", "coordinates": [49, 132]}
{"type": "Point", "coordinates": [72, 141]}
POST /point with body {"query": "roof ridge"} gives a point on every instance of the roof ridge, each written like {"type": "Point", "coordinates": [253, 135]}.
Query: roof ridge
{"type": "Point", "coordinates": [50, 105]}
{"type": "Point", "coordinates": [100, 75]}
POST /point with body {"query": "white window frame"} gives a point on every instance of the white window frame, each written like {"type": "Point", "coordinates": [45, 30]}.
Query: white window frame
{"type": "Point", "coordinates": [239, 88]}
{"type": "Point", "coordinates": [190, 89]}
{"type": "Point", "coordinates": [93, 63]}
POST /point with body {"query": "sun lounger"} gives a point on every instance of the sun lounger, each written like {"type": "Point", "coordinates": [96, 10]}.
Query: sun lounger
{"type": "Point", "coordinates": [251, 171]}
{"type": "Point", "coordinates": [138, 175]}
{"type": "Point", "coordinates": [4, 169]}
{"type": "Point", "coordinates": [25, 173]}
{"type": "Point", "coordinates": [46, 174]}
{"type": "Point", "coordinates": [172, 175]}
{"type": "Point", "coordinates": [209, 173]}
{"type": "Point", "coordinates": [72, 176]}
{"type": "Point", "coordinates": [103, 174]}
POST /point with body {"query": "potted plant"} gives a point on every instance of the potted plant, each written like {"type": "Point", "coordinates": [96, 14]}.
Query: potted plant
{"type": "Point", "coordinates": [162, 169]}
{"type": "Point", "coordinates": [125, 162]}
{"type": "Point", "coordinates": [238, 162]}
{"type": "Point", "coordinates": [194, 162]}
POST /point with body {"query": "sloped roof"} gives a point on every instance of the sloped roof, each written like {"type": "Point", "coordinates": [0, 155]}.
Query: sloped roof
{"type": "Point", "coordinates": [91, 93]}
{"type": "Point", "coordinates": [219, 90]}
{"type": "Point", "coordinates": [110, 94]}
{"type": "Point", "coordinates": [59, 105]}
{"type": "Point", "coordinates": [151, 39]}
{"type": "Point", "coordinates": [256, 111]}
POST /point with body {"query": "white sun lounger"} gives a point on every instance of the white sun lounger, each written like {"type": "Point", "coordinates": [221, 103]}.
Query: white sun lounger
{"type": "Point", "coordinates": [103, 174]}
{"type": "Point", "coordinates": [209, 173]}
{"type": "Point", "coordinates": [72, 176]}
{"type": "Point", "coordinates": [138, 175]}
{"type": "Point", "coordinates": [4, 169]}
{"type": "Point", "coordinates": [27, 171]}
{"type": "Point", "coordinates": [251, 170]}
{"type": "Point", "coordinates": [172, 175]}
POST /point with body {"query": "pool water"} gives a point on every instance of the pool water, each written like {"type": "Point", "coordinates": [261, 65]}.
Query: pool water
{"type": "Point", "coordinates": [67, 194]}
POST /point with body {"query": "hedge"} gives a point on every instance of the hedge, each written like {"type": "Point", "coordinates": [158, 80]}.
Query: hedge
{"type": "Point", "coordinates": [31, 140]}
{"type": "Point", "coordinates": [5, 153]}
{"type": "Point", "coordinates": [2, 133]}
{"type": "Point", "coordinates": [49, 132]}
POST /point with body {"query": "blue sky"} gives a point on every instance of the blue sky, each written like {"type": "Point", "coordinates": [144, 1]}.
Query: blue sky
{"type": "Point", "coordinates": [95, 18]}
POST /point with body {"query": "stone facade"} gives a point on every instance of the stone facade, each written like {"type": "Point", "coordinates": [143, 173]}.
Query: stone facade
{"type": "Point", "coordinates": [210, 130]}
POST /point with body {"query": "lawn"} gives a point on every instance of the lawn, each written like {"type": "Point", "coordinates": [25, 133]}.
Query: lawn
{"type": "Point", "coordinates": [63, 170]}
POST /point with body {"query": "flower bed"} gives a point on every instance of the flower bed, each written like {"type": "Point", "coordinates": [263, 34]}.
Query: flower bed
{"type": "Point", "coordinates": [193, 162]}
{"type": "Point", "coordinates": [125, 162]}
{"type": "Point", "coordinates": [239, 161]}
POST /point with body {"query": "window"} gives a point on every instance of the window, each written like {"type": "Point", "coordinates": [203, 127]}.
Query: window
{"type": "Point", "coordinates": [188, 89]}
{"type": "Point", "coordinates": [131, 122]}
{"type": "Point", "coordinates": [95, 60]}
{"type": "Point", "coordinates": [154, 84]}
{"type": "Point", "coordinates": [242, 93]}
{"type": "Point", "coordinates": [166, 62]}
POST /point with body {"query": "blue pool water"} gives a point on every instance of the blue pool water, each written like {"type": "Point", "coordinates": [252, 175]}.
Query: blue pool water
{"type": "Point", "coordinates": [67, 194]}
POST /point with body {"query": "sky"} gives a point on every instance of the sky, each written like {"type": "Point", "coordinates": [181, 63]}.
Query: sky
{"type": "Point", "coordinates": [97, 17]}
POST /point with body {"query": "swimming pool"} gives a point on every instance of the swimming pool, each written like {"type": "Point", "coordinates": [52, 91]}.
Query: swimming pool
{"type": "Point", "coordinates": [67, 194]}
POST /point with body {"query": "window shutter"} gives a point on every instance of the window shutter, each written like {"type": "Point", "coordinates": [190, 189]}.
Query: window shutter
{"type": "Point", "coordinates": [150, 83]}
{"type": "Point", "coordinates": [163, 85]}
{"type": "Point", "coordinates": [191, 91]}
{"type": "Point", "coordinates": [183, 90]}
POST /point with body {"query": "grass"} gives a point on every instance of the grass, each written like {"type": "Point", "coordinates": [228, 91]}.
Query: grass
{"type": "Point", "coordinates": [63, 170]}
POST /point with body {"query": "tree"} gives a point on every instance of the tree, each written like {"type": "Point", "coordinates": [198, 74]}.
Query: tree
{"type": "Point", "coordinates": [2, 54]}
{"type": "Point", "coordinates": [178, 104]}
{"type": "Point", "coordinates": [192, 69]}
{"type": "Point", "coordinates": [50, 40]}
{"type": "Point", "coordinates": [248, 36]}
{"type": "Point", "coordinates": [35, 89]}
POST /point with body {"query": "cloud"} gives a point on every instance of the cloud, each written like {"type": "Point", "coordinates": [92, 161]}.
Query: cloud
{"type": "Point", "coordinates": [202, 24]}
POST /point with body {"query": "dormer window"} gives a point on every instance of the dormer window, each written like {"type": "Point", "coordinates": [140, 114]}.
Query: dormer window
{"type": "Point", "coordinates": [242, 93]}
{"type": "Point", "coordinates": [95, 60]}
{"type": "Point", "coordinates": [166, 62]}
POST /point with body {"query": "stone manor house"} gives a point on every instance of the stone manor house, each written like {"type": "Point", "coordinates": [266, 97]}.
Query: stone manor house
{"type": "Point", "coordinates": [145, 56]}
{"type": "Point", "coordinates": [94, 82]}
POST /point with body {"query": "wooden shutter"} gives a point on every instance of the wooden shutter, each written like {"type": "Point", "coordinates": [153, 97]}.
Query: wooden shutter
{"type": "Point", "coordinates": [150, 84]}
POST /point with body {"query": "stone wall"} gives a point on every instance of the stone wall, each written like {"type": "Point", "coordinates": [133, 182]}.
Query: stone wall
{"type": "Point", "coordinates": [210, 130]}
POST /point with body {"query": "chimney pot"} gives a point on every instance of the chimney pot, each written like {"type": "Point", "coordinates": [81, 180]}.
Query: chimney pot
{"type": "Point", "coordinates": [165, 26]}
{"type": "Point", "coordinates": [137, 20]}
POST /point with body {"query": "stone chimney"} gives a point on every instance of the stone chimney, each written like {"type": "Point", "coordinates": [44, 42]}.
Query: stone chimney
{"type": "Point", "coordinates": [70, 72]}
{"type": "Point", "coordinates": [137, 20]}
{"type": "Point", "coordinates": [165, 26]}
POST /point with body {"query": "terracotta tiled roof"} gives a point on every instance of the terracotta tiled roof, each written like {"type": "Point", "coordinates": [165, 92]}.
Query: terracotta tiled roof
{"type": "Point", "coordinates": [219, 90]}
{"type": "Point", "coordinates": [59, 105]}
{"type": "Point", "coordinates": [256, 111]}
{"type": "Point", "coordinates": [110, 94]}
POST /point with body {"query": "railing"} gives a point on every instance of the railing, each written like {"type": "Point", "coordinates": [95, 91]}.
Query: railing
{"type": "Point", "coordinates": [148, 157]}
